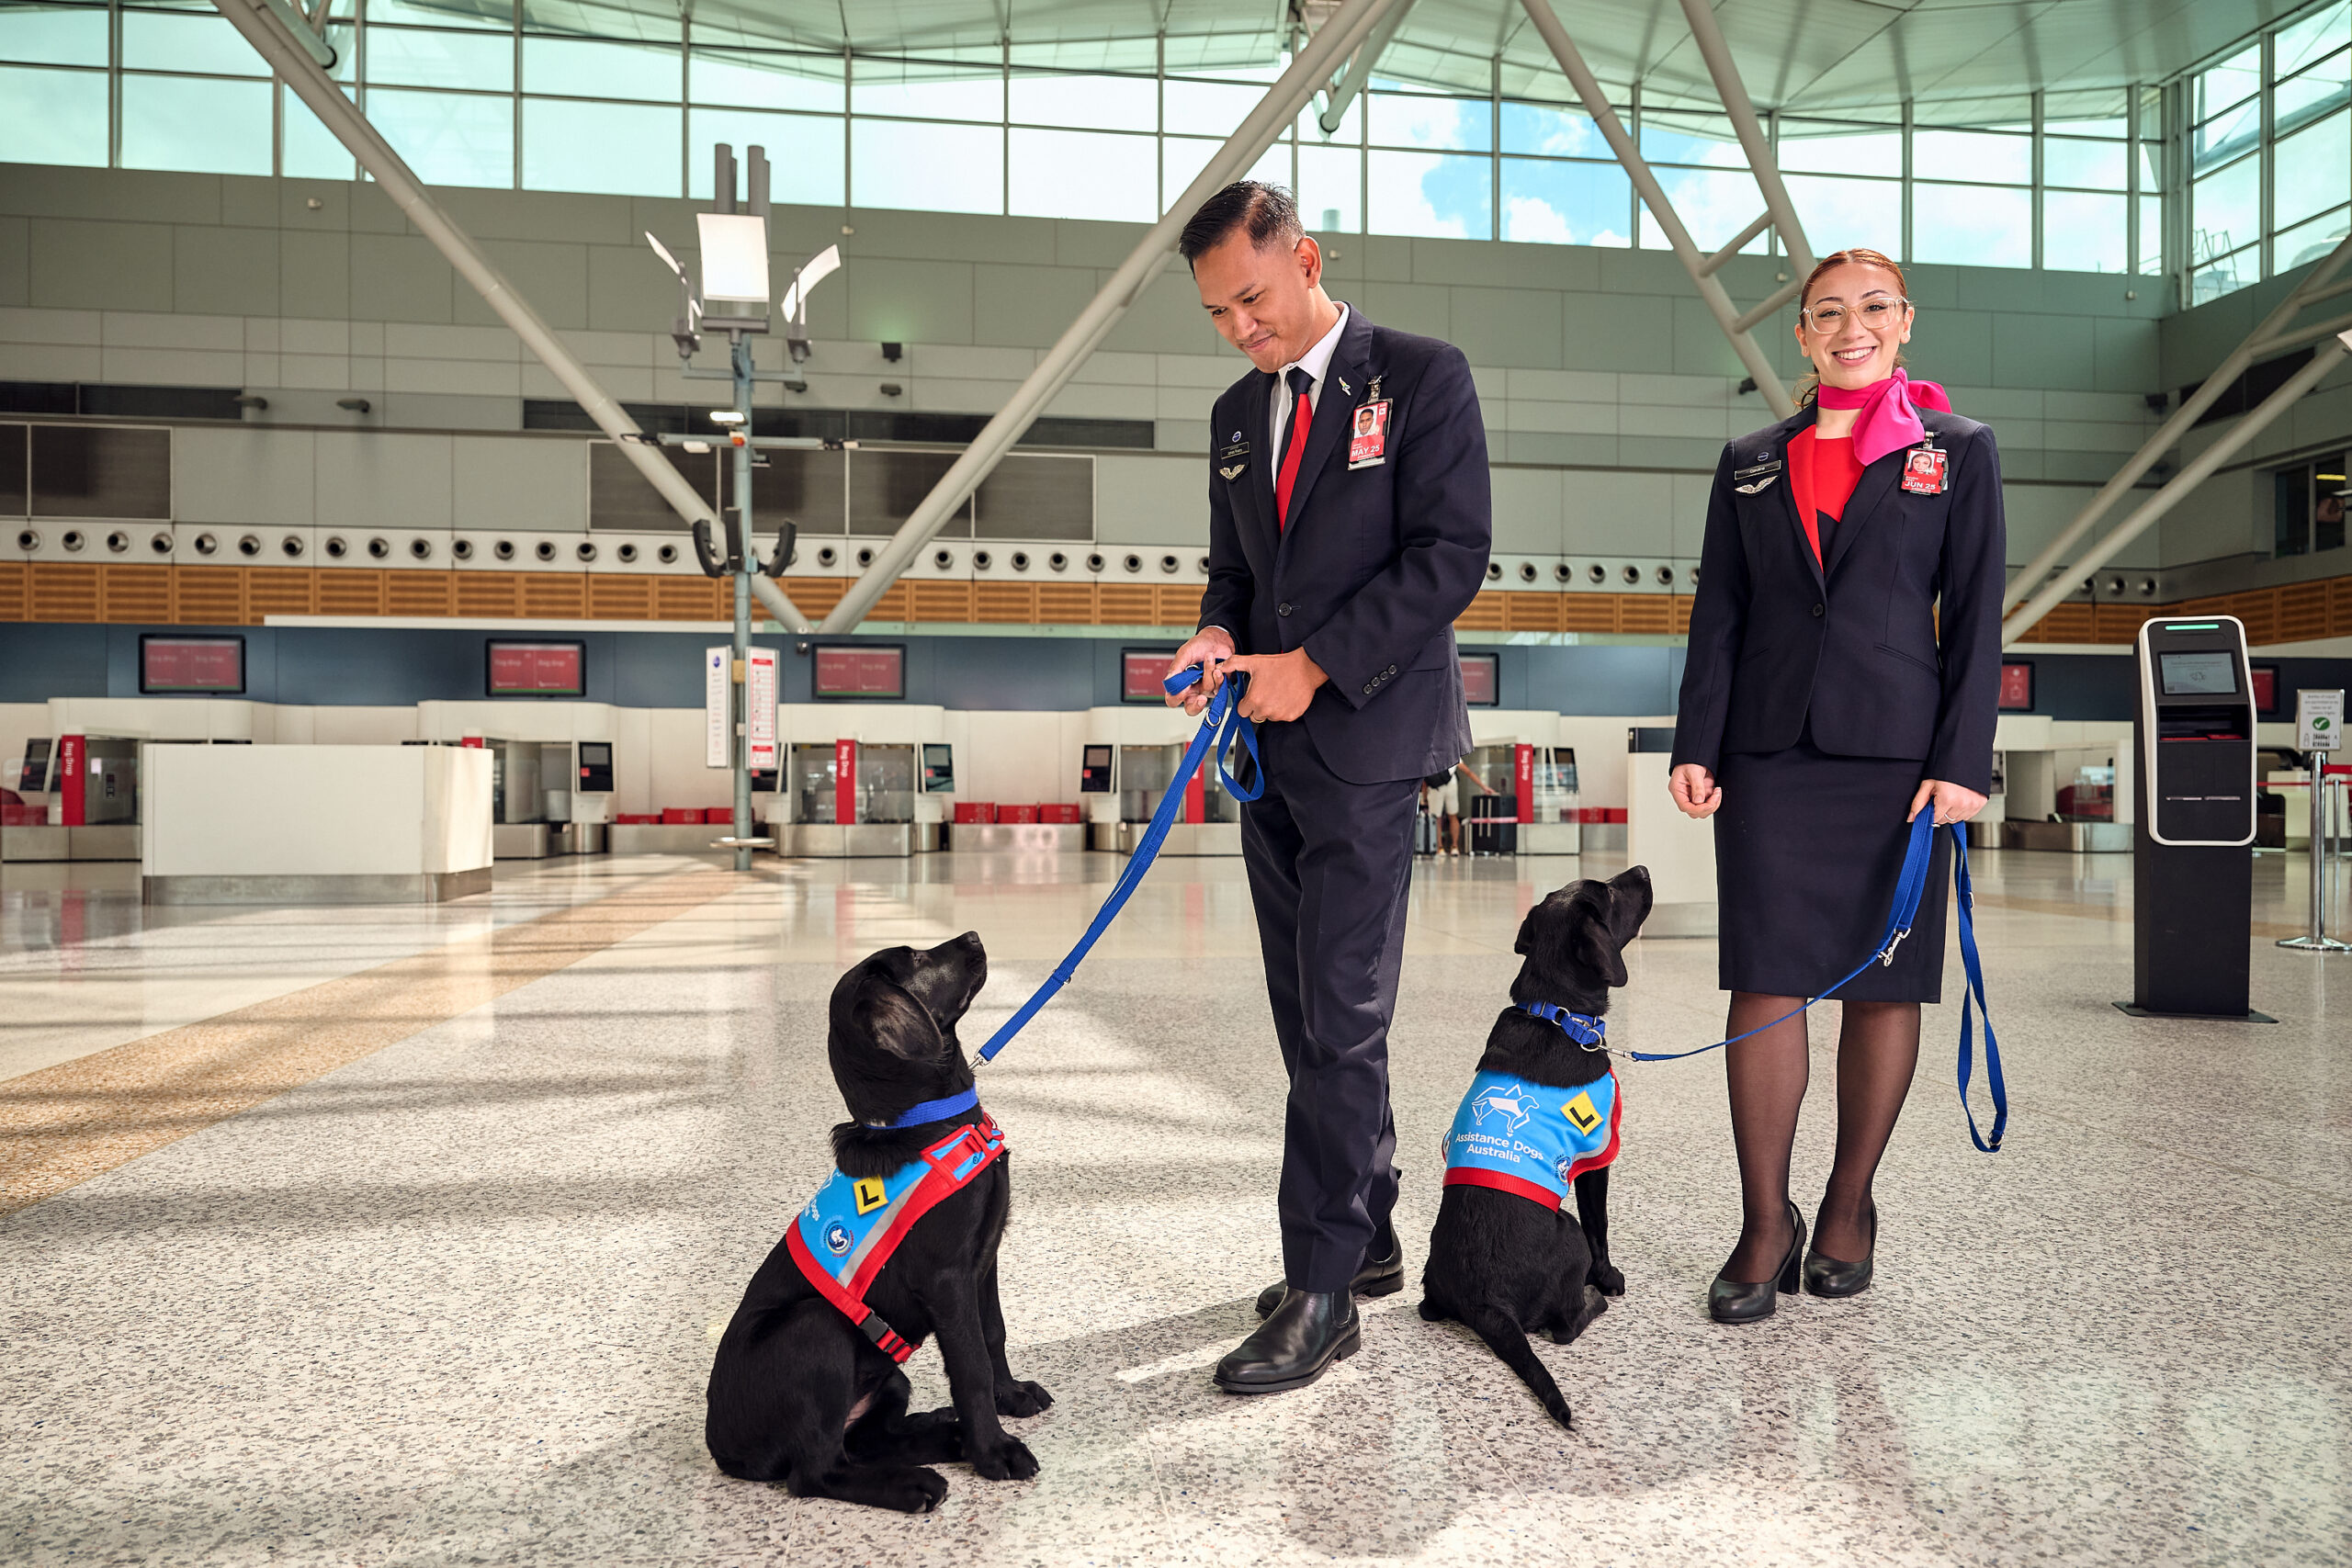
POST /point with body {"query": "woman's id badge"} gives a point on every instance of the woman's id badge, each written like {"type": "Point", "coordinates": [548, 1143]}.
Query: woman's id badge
{"type": "Point", "coordinates": [1368, 434]}
{"type": "Point", "coordinates": [1923, 470]}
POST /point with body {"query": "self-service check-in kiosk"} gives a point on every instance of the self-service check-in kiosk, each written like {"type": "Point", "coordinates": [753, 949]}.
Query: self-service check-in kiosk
{"type": "Point", "coordinates": [2193, 840]}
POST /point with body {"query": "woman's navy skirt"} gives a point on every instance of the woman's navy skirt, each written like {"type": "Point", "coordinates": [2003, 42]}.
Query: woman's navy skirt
{"type": "Point", "coordinates": [1808, 849]}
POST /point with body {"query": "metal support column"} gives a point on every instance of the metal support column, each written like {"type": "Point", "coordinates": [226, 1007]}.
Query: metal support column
{"type": "Point", "coordinates": [1335, 103]}
{"type": "Point", "coordinates": [1762, 161]}
{"type": "Point", "coordinates": [1738, 325]}
{"type": "Point", "coordinates": [745, 561]}
{"type": "Point", "coordinates": [1289, 94]}
{"type": "Point", "coordinates": [293, 61]}
{"type": "Point", "coordinates": [2327, 358]}
{"type": "Point", "coordinates": [2318, 941]}
{"type": "Point", "coordinates": [2270, 337]}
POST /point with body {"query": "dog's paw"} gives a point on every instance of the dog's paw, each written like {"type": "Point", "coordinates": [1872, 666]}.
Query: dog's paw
{"type": "Point", "coordinates": [915, 1491]}
{"type": "Point", "coordinates": [1021, 1399]}
{"type": "Point", "coordinates": [1013, 1461]}
{"type": "Point", "coordinates": [1560, 1413]}
{"type": "Point", "coordinates": [1610, 1280]}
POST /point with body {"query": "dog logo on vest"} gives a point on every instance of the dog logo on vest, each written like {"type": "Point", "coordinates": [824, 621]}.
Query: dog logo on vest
{"type": "Point", "coordinates": [871, 1193]}
{"type": "Point", "coordinates": [838, 1240]}
{"type": "Point", "coordinates": [1513, 1108]}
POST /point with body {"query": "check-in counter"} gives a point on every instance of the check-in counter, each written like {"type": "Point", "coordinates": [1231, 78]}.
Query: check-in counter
{"type": "Point", "coordinates": [316, 824]}
{"type": "Point", "coordinates": [1678, 850]}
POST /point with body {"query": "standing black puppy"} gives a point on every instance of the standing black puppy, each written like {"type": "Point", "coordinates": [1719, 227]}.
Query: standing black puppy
{"type": "Point", "coordinates": [1541, 1114]}
{"type": "Point", "coordinates": [900, 1244]}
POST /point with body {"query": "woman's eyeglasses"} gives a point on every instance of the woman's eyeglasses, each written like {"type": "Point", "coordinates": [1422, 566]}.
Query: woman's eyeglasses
{"type": "Point", "coordinates": [1876, 314]}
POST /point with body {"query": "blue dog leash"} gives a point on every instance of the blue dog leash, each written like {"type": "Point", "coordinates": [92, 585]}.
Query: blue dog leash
{"type": "Point", "coordinates": [1221, 726]}
{"type": "Point", "coordinates": [1909, 889]}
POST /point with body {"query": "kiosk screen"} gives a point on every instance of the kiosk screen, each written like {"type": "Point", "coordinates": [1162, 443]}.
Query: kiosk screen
{"type": "Point", "coordinates": [33, 774]}
{"type": "Point", "coordinates": [1094, 771]}
{"type": "Point", "coordinates": [938, 768]}
{"type": "Point", "coordinates": [2198, 675]}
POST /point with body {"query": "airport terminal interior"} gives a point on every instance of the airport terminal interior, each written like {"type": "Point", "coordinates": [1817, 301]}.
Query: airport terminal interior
{"type": "Point", "coordinates": [535, 535]}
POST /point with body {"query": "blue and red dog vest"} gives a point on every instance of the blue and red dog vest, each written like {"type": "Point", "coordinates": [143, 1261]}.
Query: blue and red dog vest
{"type": "Point", "coordinates": [1530, 1138]}
{"type": "Point", "coordinates": [844, 1238]}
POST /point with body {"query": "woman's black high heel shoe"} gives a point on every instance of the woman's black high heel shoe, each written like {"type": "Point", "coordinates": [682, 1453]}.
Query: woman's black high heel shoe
{"type": "Point", "coordinates": [1826, 1275]}
{"type": "Point", "coordinates": [1737, 1300]}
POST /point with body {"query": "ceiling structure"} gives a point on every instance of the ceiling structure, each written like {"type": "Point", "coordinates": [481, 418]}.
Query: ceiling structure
{"type": "Point", "coordinates": [1803, 56]}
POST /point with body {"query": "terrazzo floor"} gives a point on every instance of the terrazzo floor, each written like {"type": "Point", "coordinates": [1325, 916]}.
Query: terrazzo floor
{"type": "Point", "coordinates": [454, 1301]}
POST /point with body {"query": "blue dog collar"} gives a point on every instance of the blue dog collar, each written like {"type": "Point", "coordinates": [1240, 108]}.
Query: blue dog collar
{"type": "Point", "coordinates": [932, 1110]}
{"type": "Point", "coordinates": [1584, 1030]}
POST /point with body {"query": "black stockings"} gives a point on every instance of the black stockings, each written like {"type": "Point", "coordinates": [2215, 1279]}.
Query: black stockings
{"type": "Point", "coordinates": [1878, 1046]}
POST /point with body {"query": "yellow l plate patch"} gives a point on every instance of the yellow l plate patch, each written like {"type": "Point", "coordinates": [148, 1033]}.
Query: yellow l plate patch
{"type": "Point", "coordinates": [872, 1194]}
{"type": "Point", "coordinates": [1581, 1113]}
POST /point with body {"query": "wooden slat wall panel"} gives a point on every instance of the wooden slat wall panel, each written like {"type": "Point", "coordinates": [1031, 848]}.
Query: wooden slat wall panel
{"type": "Point", "coordinates": [1180, 604]}
{"type": "Point", "coordinates": [1127, 605]}
{"type": "Point", "coordinates": [413, 592]}
{"type": "Point", "coordinates": [2303, 612]}
{"type": "Point", "coordinates": [2340, 612]}
{"type": "Point", "coordinates": [1005, 603]}
{"type": "Point", "coordinates": [555, 595]}
{"type": "Point", "coordinates": [2259, 610]}
{"type": "Point", "coordinates": [282, 591]}
{"type": "Point", "coordinates": [686, 599]}
{"type": "Point", "coordinates": [16, 602]}
{"type": "Point", "coordinates": [208, 595]}
{"type": "Point", "coordinates": [1681, 614]}
{"type": "Point", "coordinates": [2118, 623]}
{"type": "Point", "coordinates": [939, 601]}
{"type": "Point", "coordinates": [1652, 613]}
{"type": "Point", "coordinates": [1485, 615]}
{"type": "Point", "coordinates": [1066, 603]}
{"type": "Point", "coordinates": [490, 594]}
{"type": "Point", "coordinates": [614, 598]}
{"type": "Point", "coordinates": [352, 591]}
{"type": "Point", "coordinates": [892, 605]}
{"type": "Point", "coordinates": [1588, 612]}
{"type": "Point", "coordinates": [136, 594]}
{"type": "Point", "coordinates": [1532, 612]}
{"type": "Point", "coordinates": [815, 596]}
{"type": "Point", "coordinates": [63, 590]}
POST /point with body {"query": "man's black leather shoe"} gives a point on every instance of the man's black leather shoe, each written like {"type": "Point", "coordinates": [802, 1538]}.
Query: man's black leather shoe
{"type": "Point", "coordinates": [1297, 1344]}
{"type": "Point", "coordinates": [1380, 1276]}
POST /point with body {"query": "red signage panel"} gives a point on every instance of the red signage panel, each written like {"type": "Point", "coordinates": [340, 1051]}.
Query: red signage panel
{"type": "Point", "coordinates": [1141, 670]}
{"type": "Point", "coordinates": [191, 664]}
{"type": "Point", "coordinates": [537, 670]}
{"type": "Point", "coordinates": [844, 781]}
{"type": "Point", "coordinates": [2266, 688]}
{"type": "Point", "coordinates": [860, 672]}
{"type": "Point", "coordinates": [2017, 687]}
{"type": "Point", "coordinates": [1481, 686]}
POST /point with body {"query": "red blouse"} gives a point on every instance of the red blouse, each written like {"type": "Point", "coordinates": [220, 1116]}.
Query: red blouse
{"type": "Point", "coordinates": [1823, 472]}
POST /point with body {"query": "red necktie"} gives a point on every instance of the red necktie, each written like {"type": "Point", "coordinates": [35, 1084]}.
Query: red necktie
{"type": "Point", "coordinates": [1302, 415]}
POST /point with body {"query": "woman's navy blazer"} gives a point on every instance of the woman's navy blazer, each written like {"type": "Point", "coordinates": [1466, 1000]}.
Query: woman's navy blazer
{"type": "Point", "coordinates": [1775, 636]}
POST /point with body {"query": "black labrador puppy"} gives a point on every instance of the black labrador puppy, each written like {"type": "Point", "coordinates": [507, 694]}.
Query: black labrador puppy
{"type": "Point", "coordinates": [1506, 1257]}
{"type": "Point", "coordinates": [900, 1244]}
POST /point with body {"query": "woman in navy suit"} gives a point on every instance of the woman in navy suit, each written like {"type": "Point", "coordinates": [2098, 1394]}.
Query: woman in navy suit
{"type": "Point", "coordinates": [1844, 672]}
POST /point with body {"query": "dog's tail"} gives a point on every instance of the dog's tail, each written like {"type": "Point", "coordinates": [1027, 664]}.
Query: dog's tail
{"type": "Point", "coordinates": [1506, 1338]}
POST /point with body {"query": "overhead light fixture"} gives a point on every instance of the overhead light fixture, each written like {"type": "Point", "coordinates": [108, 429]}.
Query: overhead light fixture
{"type": "Point", "coordinates": [892, 390]}
{"type": "Point", "coordinates": [796, 385]}
{"type": "Point", "coordinates": [795, 304]}
{"type": "Point", "coordinates": [726, 416]}
{"type": "Point", "coordinates": [699, 448]}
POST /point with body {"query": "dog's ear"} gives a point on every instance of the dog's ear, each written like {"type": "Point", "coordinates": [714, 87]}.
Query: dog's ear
{"type": "Point", "coordinates": [1598, 950]}
{"type": "Point", "coordinates": [886, 1013]}
{"type": "Point", "coordinates": [1525, 943]}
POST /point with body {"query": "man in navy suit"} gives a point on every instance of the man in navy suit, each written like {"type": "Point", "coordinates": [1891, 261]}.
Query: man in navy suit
{"type": "Point", "coordinates": [1349, 525]}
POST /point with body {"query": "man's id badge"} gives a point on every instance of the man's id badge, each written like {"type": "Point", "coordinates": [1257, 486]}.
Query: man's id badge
{"type": "Point", "coordinates": [1923, 470]}
{"type": "Point", "coordinates": [1368, 434]}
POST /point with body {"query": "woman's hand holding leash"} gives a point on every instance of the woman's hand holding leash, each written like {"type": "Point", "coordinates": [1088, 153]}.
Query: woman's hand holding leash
{"type": "Point", "coordinates": [1952, 802]}
{"type": "Point", "coordinates": [1695, 790]}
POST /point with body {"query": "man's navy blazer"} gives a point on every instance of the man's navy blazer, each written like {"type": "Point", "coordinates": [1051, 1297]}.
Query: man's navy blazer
{"type": "Point", "coordinates": [1894, 647]}
{"type": "Point", "coordinates": [1377, 560]}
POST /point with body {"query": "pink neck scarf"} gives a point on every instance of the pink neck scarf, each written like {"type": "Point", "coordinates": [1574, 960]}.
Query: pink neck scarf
{"type": "Point", "coordinates": [1890, 419]}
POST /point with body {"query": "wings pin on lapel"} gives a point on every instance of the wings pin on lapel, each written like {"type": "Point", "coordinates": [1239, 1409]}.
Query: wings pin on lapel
{"type": "Point", "coordinates": [1235, 472]}
{"type": "Point", "coordinates": [1759, 484]}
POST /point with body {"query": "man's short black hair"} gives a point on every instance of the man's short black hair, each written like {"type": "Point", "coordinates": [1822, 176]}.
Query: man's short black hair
{"type": "Point", "coordinates": [1267, 213]}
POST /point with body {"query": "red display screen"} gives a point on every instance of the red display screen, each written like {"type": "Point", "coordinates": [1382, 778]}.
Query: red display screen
{"type": "Point", "coordinates": [2266, 688]}
{"type": "Point", "coordinates": [1481, 679]}
{"type": "Point", "coordinates": [1141, 670]}
{"type": "Point", "coordinates": [191, 664]}
{"type": "Point", "coordinates": [860, 672]}
{"type": "Point", "coordinates": [2017, 687]}
{"type": "Point", "coordinates": [538, 670]}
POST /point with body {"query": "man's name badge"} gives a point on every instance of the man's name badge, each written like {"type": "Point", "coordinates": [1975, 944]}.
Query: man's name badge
{"type": "Point", "coordinates": [1233, 461]}
{"type": "Point", "coordinates": [1368, 434]}
{"type": "Point", "coordinates": [1923, 470]}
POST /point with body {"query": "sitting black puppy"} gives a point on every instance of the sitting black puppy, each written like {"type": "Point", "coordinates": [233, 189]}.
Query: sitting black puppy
{"type": "Point", "coordinates": [899, 1245]}
{"type": "Point", "coordinates": [1505, 1257]}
